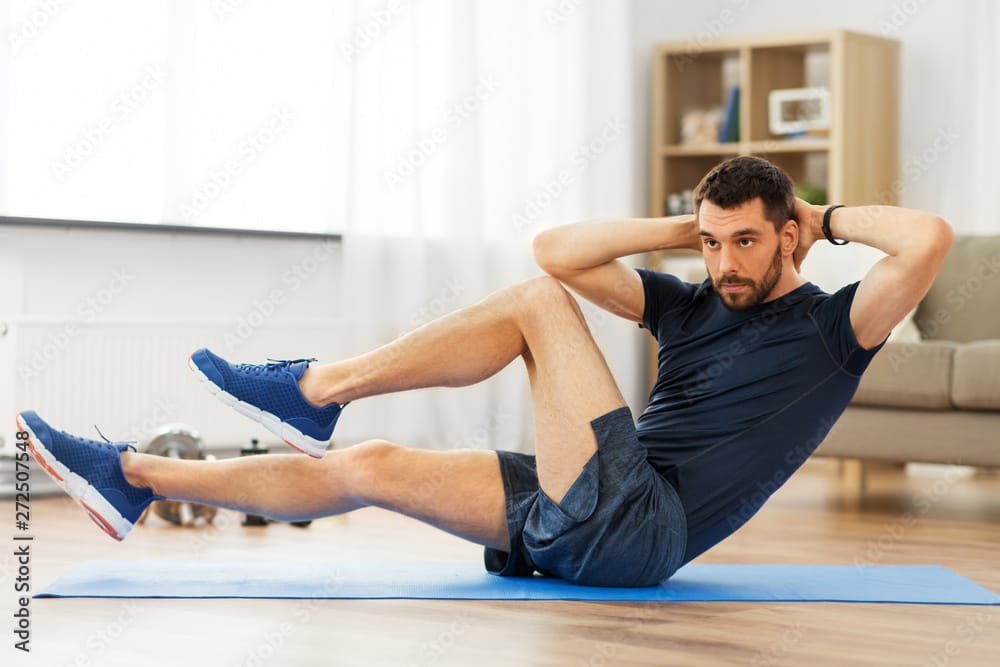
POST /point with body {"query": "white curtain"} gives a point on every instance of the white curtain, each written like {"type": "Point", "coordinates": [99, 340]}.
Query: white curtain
{"type": "Point", "coordinates": [958, 154]}
{"type": "Point", "coordinates": [460, 129]}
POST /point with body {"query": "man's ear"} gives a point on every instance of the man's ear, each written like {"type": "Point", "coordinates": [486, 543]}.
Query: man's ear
{"type": "Point", "coordinates": [789, 237]}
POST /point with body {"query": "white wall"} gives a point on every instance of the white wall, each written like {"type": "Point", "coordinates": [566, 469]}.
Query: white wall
{"type": "Point", "coordinates": [87, 314]}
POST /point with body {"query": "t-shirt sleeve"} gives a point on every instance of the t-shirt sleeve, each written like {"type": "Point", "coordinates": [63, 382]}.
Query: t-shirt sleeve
{"type": "Point", "coordinates": [833, 319]}
{"type": "Point", "coordinates": [663, 294]}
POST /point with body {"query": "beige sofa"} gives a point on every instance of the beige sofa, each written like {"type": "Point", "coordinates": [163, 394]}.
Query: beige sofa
{"type": "Point", "coordinates": [938, 400]}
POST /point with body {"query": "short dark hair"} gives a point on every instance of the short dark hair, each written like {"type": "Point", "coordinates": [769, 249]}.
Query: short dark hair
{"type": "Point", "coordinates": [741, 179]}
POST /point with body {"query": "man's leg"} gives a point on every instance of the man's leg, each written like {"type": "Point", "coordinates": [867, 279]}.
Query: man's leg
{"type": "Point", "coordinates": [458, 491]}
{"type": "Point", "coordinates": [538, 320]}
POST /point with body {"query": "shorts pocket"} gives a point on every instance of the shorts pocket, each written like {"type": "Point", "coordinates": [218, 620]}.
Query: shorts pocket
{"type": "Point", "coordinates": [548, 519]}
{"type": "Point", "coordinates": [580, 499]}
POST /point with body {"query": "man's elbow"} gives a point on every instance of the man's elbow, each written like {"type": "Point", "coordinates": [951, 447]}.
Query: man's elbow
{"type": "Point", "coordinates": [544, 252]}
{"type": "Point", "coordinates": [929, 242]}
{"type": "Point", "coordinates": [940, 236]}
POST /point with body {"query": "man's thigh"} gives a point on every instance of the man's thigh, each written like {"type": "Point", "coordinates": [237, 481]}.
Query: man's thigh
{"type": "Point", "coordinates": [571, 385]}
{"type": "Point", "coordinates": [459, 491]}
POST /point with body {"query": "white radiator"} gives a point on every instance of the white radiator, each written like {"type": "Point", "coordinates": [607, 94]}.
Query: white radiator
{"type": "Point", "coordinates": [131, 377]}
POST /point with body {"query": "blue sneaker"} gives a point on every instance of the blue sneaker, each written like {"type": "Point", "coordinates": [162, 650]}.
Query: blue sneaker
{"type": "Point", "coordinates": [90, 472]}
{"type": "Point", "coordinates": [269, 394]}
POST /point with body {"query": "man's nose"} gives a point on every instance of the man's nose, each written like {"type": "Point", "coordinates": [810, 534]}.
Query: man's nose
{"type": "Point", "coordinates": [727, 262]}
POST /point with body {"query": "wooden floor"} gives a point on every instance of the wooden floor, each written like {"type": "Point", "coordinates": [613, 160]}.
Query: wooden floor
{"type": "Point", "coordinates": [953, 523]}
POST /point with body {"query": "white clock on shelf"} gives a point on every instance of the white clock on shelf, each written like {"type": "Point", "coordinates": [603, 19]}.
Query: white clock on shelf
{"type": "Point", "coordinates": [799, 109]}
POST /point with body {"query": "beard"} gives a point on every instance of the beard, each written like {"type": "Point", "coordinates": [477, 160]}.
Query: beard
{"type": "Point", "coordinates": [755, 291]}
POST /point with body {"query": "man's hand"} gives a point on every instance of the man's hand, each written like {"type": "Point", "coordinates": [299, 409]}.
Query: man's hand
{"type": "Point", "coordinates": [810, 229]}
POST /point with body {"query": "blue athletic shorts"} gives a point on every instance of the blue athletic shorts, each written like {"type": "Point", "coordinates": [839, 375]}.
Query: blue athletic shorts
{"type": "Point", "coordinates": [619, 524]}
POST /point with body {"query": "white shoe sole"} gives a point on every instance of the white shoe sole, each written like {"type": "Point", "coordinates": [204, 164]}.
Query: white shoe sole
{"type": "Point", "coordinates": [290, 435]}
{"type": "Point", "coordinates": [102, 512]}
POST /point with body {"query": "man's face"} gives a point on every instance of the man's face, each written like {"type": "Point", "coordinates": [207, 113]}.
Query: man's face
{"type": "Point", "coordinates": [742, 252]}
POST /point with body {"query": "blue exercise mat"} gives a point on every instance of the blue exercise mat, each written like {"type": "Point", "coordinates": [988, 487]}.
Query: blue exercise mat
{"type": "Point", "coordinates": [922, 584]}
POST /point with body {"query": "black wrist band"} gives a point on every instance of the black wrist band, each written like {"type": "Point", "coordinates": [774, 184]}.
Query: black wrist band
{"type": "Point", "coordinates": [826, 226]}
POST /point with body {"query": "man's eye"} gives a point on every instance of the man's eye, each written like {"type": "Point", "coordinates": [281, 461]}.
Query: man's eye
{"type": "Point", "coordinates": [746, 242]}
{"type": "Point", "coordinates": [710, 243]}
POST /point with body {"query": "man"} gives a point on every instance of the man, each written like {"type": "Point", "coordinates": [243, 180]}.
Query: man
{"type": "Point", "coordinates": [755, 365]}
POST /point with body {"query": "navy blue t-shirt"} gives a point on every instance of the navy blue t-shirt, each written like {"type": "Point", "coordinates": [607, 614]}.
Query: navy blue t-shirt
{"type": "Point", "coordinates": [742, 398]}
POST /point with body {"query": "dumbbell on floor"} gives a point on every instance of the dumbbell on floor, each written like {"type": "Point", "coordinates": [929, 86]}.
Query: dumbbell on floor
{"type": "Point", "coordinates": [179, 441]}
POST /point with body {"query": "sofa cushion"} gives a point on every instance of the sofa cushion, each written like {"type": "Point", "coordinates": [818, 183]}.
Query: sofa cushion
{"type": "Point", "coordinates": [962, 303]}
{"type": "Point", "coordinates": [953, 437]}
{"type": "Point", "coordinates": [908, 375]}
{"type": "Point", "coordinates": [976, 378]}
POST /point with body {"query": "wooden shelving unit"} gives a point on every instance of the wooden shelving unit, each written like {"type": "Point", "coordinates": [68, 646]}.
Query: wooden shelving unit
{"type": "Point", "coordinates": [857, 161]}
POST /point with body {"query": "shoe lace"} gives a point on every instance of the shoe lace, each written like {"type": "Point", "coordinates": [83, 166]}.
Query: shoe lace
{"type": "Point", "coordinates": [273, 366]}
{"type": "Point", "coordinates": [129, 443]}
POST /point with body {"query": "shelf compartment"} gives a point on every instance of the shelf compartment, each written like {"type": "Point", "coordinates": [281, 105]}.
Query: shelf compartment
{"type": "Point", "coordinates": [803, 167]}
{"type": "Point", "coordinates": [778, 67]}
{"type": "Point", "coordinates": [694, 81]}
{"type": "Point", "coordinates": [682, 173]}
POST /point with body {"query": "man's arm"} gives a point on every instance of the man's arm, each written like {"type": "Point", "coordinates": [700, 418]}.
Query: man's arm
{"type": "Point", "coordinates": [915, 243]}
{"type": "Point", "coordinates": [584, 256]}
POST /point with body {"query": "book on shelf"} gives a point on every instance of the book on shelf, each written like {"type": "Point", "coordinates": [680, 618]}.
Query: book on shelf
{"type": "Point", "coordinates": [729, 131]}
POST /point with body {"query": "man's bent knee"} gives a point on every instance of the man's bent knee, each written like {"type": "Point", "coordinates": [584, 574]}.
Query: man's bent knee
{"type": "Point", "coordinates": [544, 287]}
{"type": "Point", "coordinates": [365, 466]}
{"type": "Point", "coordinates": [542, 293]}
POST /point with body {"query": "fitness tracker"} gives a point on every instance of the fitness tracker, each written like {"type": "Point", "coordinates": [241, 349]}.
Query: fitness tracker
{"type": "Point", "coordinates": [826, 225]}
